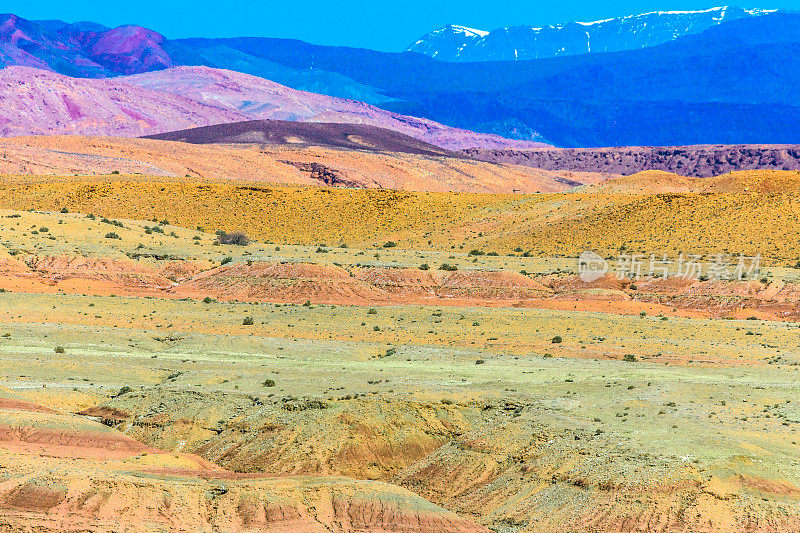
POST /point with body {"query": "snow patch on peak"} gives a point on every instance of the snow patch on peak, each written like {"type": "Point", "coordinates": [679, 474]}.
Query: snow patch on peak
{"type": "Point", "coordinates": [471, 32]}
{"type": "Point", "coordinates": [757, 11]}
{"type": "Point", "coordinates": [592, 23]}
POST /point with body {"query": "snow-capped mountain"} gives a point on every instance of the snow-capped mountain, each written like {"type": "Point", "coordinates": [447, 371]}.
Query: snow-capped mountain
{"type": "Point", "coordinates": [448, 42]}
{"type": "Point", "coordinates": [458, 43]}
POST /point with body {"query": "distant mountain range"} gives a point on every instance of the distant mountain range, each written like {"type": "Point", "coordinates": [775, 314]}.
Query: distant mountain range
{"type": "Point", "coordinates": [517, 43]}
{"type": "Point", "coordinates": [735, 82]}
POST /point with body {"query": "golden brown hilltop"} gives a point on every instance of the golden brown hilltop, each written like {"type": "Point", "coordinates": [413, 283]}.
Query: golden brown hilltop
{"type": "Point", "coordinates": [69, 155]}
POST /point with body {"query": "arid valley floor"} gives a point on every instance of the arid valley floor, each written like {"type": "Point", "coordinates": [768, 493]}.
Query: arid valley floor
{"type": "Point", "coordinates": [390, 360]}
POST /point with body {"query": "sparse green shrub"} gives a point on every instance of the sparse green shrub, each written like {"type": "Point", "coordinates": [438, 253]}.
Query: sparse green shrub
{"type": "Point", "coordinates": [424, 266]}
{"type": "Point", "coordinates": [630, 358]}
{"type": "Point", "coordinates": [248, 321]}
{"type": "Point", "coordinates": [269, 383]}
{"type": "Point", "coordinates": [112, 235]}
{"type": "Point", "coordinates": [448, 267]}
{"type": "Point", "coordinates": [124, 390]}
{"type": "Point", "coordinates": [556, 340]}
{"type": "Point", "coordinates": [59, 349]}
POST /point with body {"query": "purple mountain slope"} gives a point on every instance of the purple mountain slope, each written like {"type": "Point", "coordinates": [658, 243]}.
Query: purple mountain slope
{"type": "Point", "coordinates": [35, 101]}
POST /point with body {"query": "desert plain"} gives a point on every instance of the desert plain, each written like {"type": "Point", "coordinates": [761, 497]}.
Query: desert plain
{"type": "Point", "coordinates": [387, 358]}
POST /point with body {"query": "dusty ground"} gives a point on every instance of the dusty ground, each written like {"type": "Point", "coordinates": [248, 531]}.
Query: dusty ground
{"type": "Point", "coordinates": [369, 394]}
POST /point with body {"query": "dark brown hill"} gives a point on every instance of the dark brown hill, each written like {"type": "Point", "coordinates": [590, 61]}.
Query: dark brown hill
{"type": "Point", "coordinates": [280, 132]}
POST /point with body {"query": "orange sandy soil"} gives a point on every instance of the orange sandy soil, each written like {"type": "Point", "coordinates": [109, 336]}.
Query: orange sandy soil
{"type": "Point", "coordinates": [301, 282]}
{"type": "Point", "coordinates": [66, 473]}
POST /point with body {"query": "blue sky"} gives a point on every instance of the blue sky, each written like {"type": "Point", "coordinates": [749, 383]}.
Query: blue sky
{"type": "Point", "coordinates": [378, 24]}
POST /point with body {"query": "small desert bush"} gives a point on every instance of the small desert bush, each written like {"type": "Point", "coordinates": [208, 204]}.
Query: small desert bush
{"type": "Point", "coordinates": [237, 237]}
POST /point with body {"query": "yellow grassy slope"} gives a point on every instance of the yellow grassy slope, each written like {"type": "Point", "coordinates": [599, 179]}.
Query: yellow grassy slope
{"type": "Point", "coordinates": [549, 224]}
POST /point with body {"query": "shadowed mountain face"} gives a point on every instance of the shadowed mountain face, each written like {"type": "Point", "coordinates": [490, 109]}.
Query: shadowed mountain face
{"type": "Point", "coordinates": [280, 132]}
{"type": "Point", "coordinates": [735, 83]}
